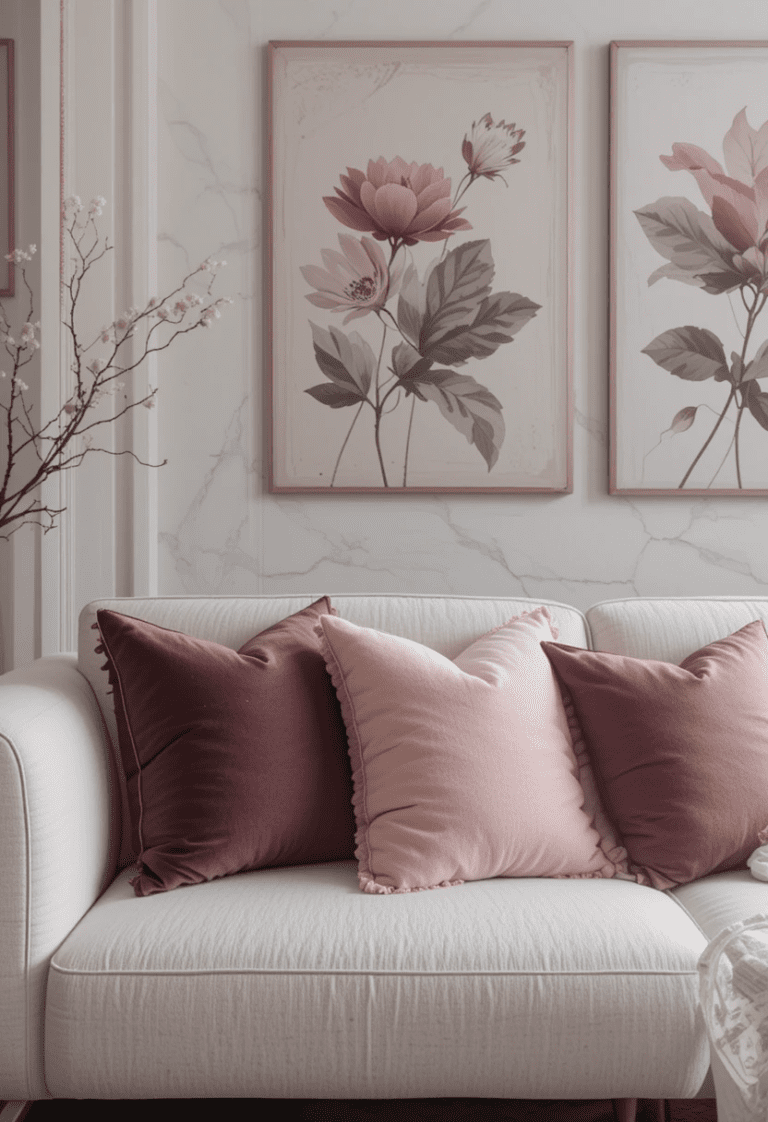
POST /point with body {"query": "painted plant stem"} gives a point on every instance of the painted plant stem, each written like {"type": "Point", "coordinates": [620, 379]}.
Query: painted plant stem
{"type": "Point", "coordinates": [718, 251]}
{"type": "Point", "coordinates": [444, 319]}
{"type": "Point", "coordinates": [379, 406]}
{"type": "Point", "coordinates": [709, 439]}
{"type": "Point", "coordinates": [754, 311]}
{"type": "Point", "coordinates": [346, 441]}
{"type": "Point", "coordinates": [408, 443]}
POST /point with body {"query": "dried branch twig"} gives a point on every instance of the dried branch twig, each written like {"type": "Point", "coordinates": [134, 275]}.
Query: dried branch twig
{"type": "Point", "coordinates": [61, 443]}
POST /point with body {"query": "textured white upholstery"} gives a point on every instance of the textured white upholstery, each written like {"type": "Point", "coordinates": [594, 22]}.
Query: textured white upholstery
{"type": "Point", "coordinates": [293, 983]}
{"type": "Point", "coordinates": [717, 901]}
{"type": "Point", "coordinates": [446, 623]}
{"type": "Point", "coordinates": [54, 845]}
{"type": "Point", "coordinates": [669, 629]}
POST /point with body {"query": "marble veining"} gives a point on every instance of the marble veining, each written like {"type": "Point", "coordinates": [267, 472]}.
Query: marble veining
{"type": "Point", "coordinates": [222, 531]}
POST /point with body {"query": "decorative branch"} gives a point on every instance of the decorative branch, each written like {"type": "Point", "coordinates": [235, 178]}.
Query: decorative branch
{"type": "Point", "coordinates": [54, 441]}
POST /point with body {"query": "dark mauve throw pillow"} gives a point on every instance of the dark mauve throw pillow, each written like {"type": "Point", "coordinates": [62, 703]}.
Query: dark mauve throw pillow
{"type": "Point", "coordinates": [233, 760]}
{"type": "Point", "coordinates": [680, 752]}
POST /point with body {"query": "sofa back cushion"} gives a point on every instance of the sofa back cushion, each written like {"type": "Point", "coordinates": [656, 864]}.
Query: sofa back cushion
{"type": "Point", "coordinates": [447, 624]}
{"type": "Point", "coordinates": [669, 628]}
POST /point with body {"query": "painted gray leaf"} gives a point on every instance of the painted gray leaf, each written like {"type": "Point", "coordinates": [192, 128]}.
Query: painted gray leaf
{"type": "Point", "coordinates": [758, 367]}
{"type": "Point", "coordinates": [346, 359]}
{"type": "Point", "coordinates": [688, 238]}
{"type": "Point", "coordinates": [455, 287]}
{"type": "Point", "coordinates": [328, 393]}
{"type": "Point", "coordinates": [406, 359]}
{"type": "Point", "coordinates": [498, 318]}
{"type": "Point", "coordinates": [757, 401]}
{"type": "Point", "coordinates": [470, 408]}
{"type": "Point", "coordinates": [409, 310]}
{"type": "Point", "coordinates": [692, 353]}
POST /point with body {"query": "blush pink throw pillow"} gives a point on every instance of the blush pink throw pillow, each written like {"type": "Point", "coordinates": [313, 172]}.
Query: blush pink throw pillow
{"type": "Point", "coordinates": [680, 752]}
{"type": "Point", "coordinates": [462, 769]}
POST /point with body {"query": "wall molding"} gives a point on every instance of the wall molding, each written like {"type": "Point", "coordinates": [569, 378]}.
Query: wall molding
{"type": "Point", "coordinates": [143, 208]}
{"type": "Point", "coordinates": [106, 543]}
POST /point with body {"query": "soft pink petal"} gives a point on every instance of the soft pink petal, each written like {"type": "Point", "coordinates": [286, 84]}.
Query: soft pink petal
{"type": "Point", "coordinates": [375, 255]}
{"type": "Point", "coordinates": [746, 151]}
{"type": "Point", "coordinates": [741, 199]}
{"type": "Point", "coordinates": [395, 208]}
{"type": "Point", "coordinates": [351, 188]}
{"type": "Point", "coordinates": [729, 222]}
{"type": "Point", "coordinates": [457, 224]}
{"type": "Point", "coordinates": [439, 190]}
{"type": "Point", "coordinates": [320, 279]}
{"type": "Point", "coordinates": [707, 184]}
{"type": "Point", "coordinates": [687, 157]}
{"type": "Point", "coordinates": [431, 217]}
{"type": "Point", "coordinates": [321, 300]}
{"type": "Point", "coordinates": [376, 172]}
{"type": "Point", "coordinates": [431, 236]}
{"type": "Point", "coordinates": [398, 170]}
{"type": "Point", "coordinates": [336, 264]}
{"type": "Point", "coordinates": [746, 190]}
{"type": "Point", "coordinates": [368, 198]}
{"type": "Point", "coordinates": [423, 176]}
{"type": "Point", "coordinates": [761, 202]}
{"type": "Point", "coordinates": [348, 214]}
{"type": "Point", "coordinates": [356, 313]}
{"type": "Point", "coordinates": [354, 257]}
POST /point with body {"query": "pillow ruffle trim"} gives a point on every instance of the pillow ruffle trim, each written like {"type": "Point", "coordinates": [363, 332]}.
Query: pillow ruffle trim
{"type": "Point", "coordinates": [616, 857]}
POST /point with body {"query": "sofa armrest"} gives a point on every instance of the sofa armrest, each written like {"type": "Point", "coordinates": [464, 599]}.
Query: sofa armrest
{"type": "Point", "coordinates": [55, 851]}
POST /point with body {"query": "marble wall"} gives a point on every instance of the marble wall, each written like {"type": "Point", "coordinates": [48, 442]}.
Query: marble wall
{"type": "Point", "coordinates": [219, 530]}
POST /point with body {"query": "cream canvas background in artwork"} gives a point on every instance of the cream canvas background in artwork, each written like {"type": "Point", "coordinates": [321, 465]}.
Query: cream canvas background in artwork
{"type": "Point", "coordinates": [339, 106]}
{"type": "Point", "coordinates": [663, 95]}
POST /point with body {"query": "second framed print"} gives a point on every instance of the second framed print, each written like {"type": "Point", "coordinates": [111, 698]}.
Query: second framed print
{"type": "Point", "coordinates": [420, 266]}
{"type": "Point", "coordinates": [689, 268]}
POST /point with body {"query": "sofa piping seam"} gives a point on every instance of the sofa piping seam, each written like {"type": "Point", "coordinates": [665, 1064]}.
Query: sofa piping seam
{"type": "Point", "coordinates": [376, 973]}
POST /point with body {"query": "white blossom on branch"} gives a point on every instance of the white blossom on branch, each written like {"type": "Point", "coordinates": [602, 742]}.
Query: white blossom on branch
{"type": "Point", "coordinates": [62, 442]}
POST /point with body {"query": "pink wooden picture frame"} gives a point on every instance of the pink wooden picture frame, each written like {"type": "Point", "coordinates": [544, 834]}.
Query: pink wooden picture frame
{"type": "Point", "coordinates": [7, 239]}
{"type": "Point", "coordinates": [420, 266]}
{"type": "Point", "coordinates": [689, 268]}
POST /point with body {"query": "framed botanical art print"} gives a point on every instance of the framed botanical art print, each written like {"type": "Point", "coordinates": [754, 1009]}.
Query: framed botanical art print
{"type": "Point", "coordinates": [689, 268]}
{"type": "Point", "coordinates": [420, 266]}
{"type": "Point", "coordinates": [6, 166]}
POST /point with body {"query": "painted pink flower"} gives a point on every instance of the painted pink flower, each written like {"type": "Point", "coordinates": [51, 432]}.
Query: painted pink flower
{"type": "Point", "coordinates": [406, 203]}
{"type": "Point", "coordinates": [489, 148]}
{"type": "Point", "coordinates": [738, 200]}
{"type": "Point", "coordinates": [356, 281]}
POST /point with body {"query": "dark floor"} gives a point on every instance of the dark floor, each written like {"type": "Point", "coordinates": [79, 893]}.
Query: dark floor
{"type": "Point", "coordinates": [357, 1110]}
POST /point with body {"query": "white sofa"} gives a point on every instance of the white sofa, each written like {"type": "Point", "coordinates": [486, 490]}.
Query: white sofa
{"type": "Point", "coordinates": [291, 982]}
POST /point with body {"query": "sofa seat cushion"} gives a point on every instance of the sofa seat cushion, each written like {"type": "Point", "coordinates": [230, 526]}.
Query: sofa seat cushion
{"type": "Point", "coordinates": [291, 983]}
{"type": "Point", "coordinates": [717, 901]}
